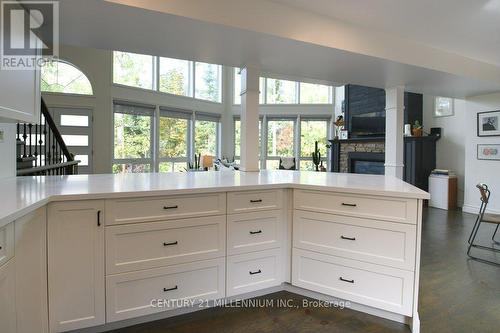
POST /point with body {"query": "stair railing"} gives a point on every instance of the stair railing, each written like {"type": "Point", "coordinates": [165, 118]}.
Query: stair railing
{"type": "Point", "coordinates": [43, 145]}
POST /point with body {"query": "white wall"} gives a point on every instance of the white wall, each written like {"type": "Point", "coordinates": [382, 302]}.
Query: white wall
{"type": "Point", "coordinates": [8, 151]}
{"type": "Point", "coordinates": [480, 170]}
{"type": "Point", "coordinates": [450, 149]}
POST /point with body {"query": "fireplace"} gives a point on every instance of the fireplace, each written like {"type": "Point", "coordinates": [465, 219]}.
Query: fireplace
{"type": "Point", "coordinates": [366, 163]}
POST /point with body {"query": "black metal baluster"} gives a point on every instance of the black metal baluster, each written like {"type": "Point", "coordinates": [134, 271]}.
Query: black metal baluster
{"type": "Point", "coordinates": [30, 127]}
{"type": "Point", "coordinates": [18, 132]}
{"type": "Point", "coordinates": [54, 156]}
{"type": "Point", "coordinates": [24, 138]}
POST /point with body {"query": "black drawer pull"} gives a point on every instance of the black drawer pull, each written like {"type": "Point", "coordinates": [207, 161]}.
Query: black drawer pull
{"type": "Point", "coordinates": [256, 200]}
{"type": "Point", "coordinates": [255, 232]}
{"type": "Point", "coordinates": [257, 272]}
{"type": "Point", "coordinates": [98, 218]}
{"type": "Point", "coordinates": [172, 243]}
{"type": "Point", "coordinates": [348, 238]}
{"type": "Point", "coordinates": [170, 207]}
{"type": "Point", "coordinates": [348, 204]}
{"type": "Point", "coordinates": [345, 280]}
{"type": "Point", "coordinates": [170, 289]}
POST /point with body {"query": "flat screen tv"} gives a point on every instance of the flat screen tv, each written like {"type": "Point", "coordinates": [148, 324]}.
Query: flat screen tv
{"type": "Point", "coordinates": [365, 111]}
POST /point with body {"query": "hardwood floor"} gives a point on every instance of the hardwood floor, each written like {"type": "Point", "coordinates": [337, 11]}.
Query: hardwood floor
{"type": "Point", "coordinates": [456, 295]}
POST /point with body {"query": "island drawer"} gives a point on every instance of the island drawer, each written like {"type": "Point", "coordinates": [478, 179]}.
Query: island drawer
{"type": "Point", "coordinates": [6, 243]}
{"type": "Point", "coordinates": [253, 201]}
{"type": "Point", "coordinates": [135, 294]}
{"type": "Point", "coordinates": [385, 243]}
{"type": "Point", "coordinates": [147, 245]}
{"type": "Point", "coordinates": [133, 210]}
{"type": "Point", "coordinates": [381, 287]}
{"type": "Point", "coordinates": [253, 271]}
{"type": "Point", "coordinates": [373, 207]}
{"type": "Point", "coordinates": [251, 232]}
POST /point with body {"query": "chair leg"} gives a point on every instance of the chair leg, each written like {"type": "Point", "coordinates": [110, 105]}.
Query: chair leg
{"type": "Point", "coordinates": [474, 228]}
{"type": "Point", "coordinates": [471, 244]}
{"type": "Point", "coordinates": [493, 237]}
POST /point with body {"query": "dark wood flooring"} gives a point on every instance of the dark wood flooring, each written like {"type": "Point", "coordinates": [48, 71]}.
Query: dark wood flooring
{"type": "Point", "coordinates": [456, 295]}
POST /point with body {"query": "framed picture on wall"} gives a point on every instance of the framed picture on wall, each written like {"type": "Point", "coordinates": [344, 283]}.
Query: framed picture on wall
{"type": "Point", "coordinates": [488, 152]}
{"type": "Point", "coordinates": [488, 123]}
{"type": "Point", "coordinates": [443, 107]}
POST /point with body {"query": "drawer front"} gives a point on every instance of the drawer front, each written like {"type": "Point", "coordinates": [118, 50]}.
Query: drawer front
{"type": "Point", "coordinates": [253, 201]}
{"type": "Point", "coordinates": [385, 243]}
{"type": "Point", "coordinates": [132, 247]}
{"type": "Point", "coordinates": [373, 207]}
{"type": "Point", "coordinates": [122, 211]}
{"type": "Point", "coordinates": [6, 243]}
{"type": "Point", "coordinates": [251, 232]}
{"type": "Point", "coordinates": [382, 287]}
{"type": "Point", "coordinates": [253, 271]}
{"type": "Point", "coordinates": [145, 292]}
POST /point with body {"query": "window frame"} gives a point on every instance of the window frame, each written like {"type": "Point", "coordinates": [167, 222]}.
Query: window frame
{"type": "Point", "coordinates": [92, 94]}
{"type": "Point", "coordinates": [135, 161]}
{"type": "Point", "coordinates": [328, 121]}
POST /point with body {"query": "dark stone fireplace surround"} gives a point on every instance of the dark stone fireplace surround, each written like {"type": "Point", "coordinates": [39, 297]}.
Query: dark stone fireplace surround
{"type": "Point", "coordinates": [344, 151]}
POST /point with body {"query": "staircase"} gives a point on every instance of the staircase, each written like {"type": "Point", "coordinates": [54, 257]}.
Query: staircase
{"type": "Point", "coordinates": [41, 149]}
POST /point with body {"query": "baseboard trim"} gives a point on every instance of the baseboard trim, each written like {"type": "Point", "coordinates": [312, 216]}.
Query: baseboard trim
{"type": "Point", "coordinates": [472, 209]}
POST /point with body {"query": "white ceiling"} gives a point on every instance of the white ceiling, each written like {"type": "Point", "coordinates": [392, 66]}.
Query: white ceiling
{"type": "Point", "coordinates": [280, 39]}
{"type": "Point", "coordinates": [467, 27]}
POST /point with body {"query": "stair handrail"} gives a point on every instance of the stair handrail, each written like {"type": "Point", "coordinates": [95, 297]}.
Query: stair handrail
{"type": "Point", "coordinates": [57, 135]}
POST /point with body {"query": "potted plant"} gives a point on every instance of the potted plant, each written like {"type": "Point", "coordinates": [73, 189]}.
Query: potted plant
{"type": "Point", "coordinates": [316, 156]}
{"type": "Point", "coordinates": [417, 129]}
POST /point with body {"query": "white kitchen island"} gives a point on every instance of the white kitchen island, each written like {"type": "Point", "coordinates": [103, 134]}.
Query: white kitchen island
{"type": "Point", "coordinates": [111, 248]}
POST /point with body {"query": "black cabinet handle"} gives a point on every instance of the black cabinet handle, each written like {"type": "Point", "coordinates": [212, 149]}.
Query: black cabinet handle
{"type": "Point", "coordinates": [348, 204]}
{"type": "Point", "coordinates": [255, 232]}
{"type": "Point", "coordinates": [257, 272]}
{"type": "Point", "coordinates": [348, 238]}
{"type": "Point", "coordinates": [346, 280]}
{"type": "Point", "coordinates": [172, 243]}
{"type": "Point", "coordinates": [98, 218]}
{"type": "Point", "coordinates": [170, 207]}
{"type": "Point", "coordinates": [170, 289]}
{"type": "Point", "coordinates": [256, 200]}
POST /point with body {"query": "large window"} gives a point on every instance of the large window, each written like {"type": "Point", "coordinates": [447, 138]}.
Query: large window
{"type": "Point", "coordinates": [132, 138]}
{"type": "Point", "coordinates": [175, 76]}
{"type": "Point", "coordinates": [314, 93]}
{"type": "Point", "coordinates": [173, 140]}
{"type": "Point", "coordinates": [280, 141]}
{"type": "Point", "coordinates": [206, 135]}
{"type": "Point", "coordinates": [171, 76]}
{"type": "Point", "coordinates": [281, 91]}
{"type": "Point", "coordinates": [310, 132]}
{"type": "Point", "coordinates": [208, 82]}
{"type": "Point", "coordinates": [285, 92]}
{"type": "Point", "coordinates": [237, 139]}
{"type": "Point", "coordinates": [62, 77]}
{"type": "Point", "coordinates": [131, 69]}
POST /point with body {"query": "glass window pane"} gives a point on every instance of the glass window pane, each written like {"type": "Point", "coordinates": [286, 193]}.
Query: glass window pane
{"type": "Point", "coordinates": [281, 92]}
{"type": "Point", "coordinates": [131, 168]}
{"type": "Point", "coordinates": [208, 82]}
{"type": "Point", "coordinates": [173, 166]}
{"type": "Point", "coordinates": [174, 76]}
{"type": "Point", "coordinates": [62, 77]}
{"type": "Point", "coordinates": [132, 136]}
{"type": "Point", "coordinates": [76, 140]}
{"type": "Point", "coordinates": [84, 159]}
{"type": "Point", "coordinates": [272, 164]}
{"type": "Point", "coordinates": [310, 132]}
{"type": "Point", "coordinates": [173, 137]}
{"type": "Point", "coordinates": [205, 137]}
{"type": "Point", "coordinates": [237, 137]}
{"type": "Point", "coordinates": [237, 86]}
{"type": "Point", "coordinates": [280, 138]}
{"type": "Point", "coordinates": [314, 93]}
{"type": "Point", "coordinates": [133, 69]}
{"type": "Point", "coordinates": [72, 120]}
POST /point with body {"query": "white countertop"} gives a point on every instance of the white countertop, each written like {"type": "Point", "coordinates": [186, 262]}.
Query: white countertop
{"type": "Point", "coordinates": [21, 195]}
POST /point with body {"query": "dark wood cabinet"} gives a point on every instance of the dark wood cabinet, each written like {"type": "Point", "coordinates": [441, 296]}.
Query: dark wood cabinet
{"type": "Point", "coordinates": [419, 160]}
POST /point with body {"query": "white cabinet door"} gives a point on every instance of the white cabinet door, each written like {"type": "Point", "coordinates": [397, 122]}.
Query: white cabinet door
{"type": "Point", "coordinates": [20, 90]}
{"type": "Point", "coordinates": [76, 265]}
{"type": "Point", "coordinates": [8, 297]}
{"type": "Point", "coordinates": [31, 272]}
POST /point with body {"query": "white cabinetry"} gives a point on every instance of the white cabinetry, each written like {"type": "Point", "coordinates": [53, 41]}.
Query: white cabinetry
{"type": "Point", "coordinates": [8, 297]}
{"type": "Point", "coordinates": [76, 265]}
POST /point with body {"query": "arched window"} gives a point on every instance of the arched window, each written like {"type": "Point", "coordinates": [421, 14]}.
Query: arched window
{"type": "Point", "coordinates": [63, 77]}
